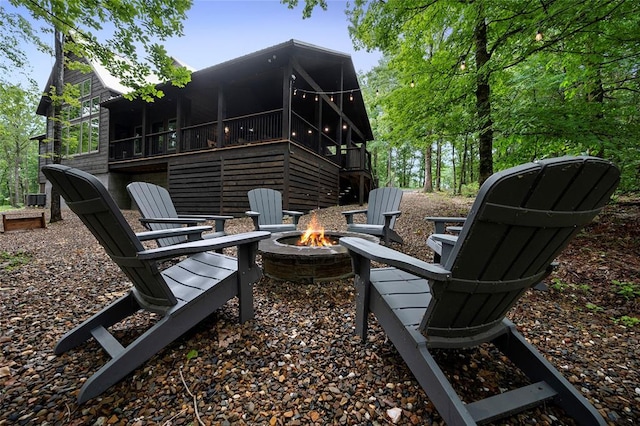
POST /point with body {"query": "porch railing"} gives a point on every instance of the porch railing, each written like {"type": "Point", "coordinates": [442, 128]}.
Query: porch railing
{"type": "Point", "coordinates": [237, 131]}
{"type": "Point", "coordinates": [308, 135]}
{"type": "Point", "coordinates": [356, 158]}
{"type": "Point", "coordinates": [199, 137]}
{"type": "Point", "coordinates": [252, 128]}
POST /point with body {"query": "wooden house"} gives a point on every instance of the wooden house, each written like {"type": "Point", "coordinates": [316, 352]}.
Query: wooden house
{"type": "Point", "coordinates": [290, 117]}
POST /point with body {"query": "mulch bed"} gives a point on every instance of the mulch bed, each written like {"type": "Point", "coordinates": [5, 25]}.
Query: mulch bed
{"type": "Point", "coordinates": [298, 361]}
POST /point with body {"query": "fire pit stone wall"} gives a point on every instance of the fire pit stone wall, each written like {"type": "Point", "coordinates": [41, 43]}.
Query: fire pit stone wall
{"type": "Point", "coordinates": [283, 260]}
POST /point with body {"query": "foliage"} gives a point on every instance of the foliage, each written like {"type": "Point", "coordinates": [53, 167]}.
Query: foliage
{"type": "Point", "coordinates": [558, 285]}
{"type": "Point", "coordinates": [627, 290]}
{"type": "Point", "coordinates": [628, 321]}
{"type": "Point", "coordinates": [192, 354]}
{"type": "Point", "coordinates": [10, 261]}
{"type": "Point", "coordinates": [594, 308]}
{"type": "Point", "coordinates": [19, 160]}
{"type": "Point", "coordinates": [132, 52]}
{"type": "Point", "coordinates": [560, 78]}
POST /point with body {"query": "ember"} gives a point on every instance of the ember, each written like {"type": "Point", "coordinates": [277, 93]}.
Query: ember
{"type": "Point", "coordinates": [314, 235]}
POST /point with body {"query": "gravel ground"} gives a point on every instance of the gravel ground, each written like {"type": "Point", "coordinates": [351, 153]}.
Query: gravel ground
{"type": "Point", "coordinates": [297, 362]}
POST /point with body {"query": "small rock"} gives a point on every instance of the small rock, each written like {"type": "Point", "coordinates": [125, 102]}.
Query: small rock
{"type": "Point", "coordinates": [394, 414]}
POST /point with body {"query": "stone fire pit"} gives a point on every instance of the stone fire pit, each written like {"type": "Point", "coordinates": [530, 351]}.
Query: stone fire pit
{"type": "Point", "coordinates": [283, 260]}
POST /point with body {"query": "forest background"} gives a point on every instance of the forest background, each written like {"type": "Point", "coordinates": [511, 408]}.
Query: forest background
{"type": "Point", "coordinates": [463, 88]}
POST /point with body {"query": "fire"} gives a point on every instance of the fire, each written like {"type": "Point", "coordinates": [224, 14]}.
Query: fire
{"type": "Point", "coordinates": [314, 235]}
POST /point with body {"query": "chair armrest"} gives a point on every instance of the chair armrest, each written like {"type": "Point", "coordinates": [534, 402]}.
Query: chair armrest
{"type": "Point", "coordinates": [200, 246]}
{"type": "Point", "coordinates": [439, 222]}
{"type": "Point", "coordinates": [176, 220]}
{"type": "Point", "coordinates": [173, 232]}
{"type": "Point", "coordinates": [219, 220]}
{"type": "Point", "coordinates": [392, 213]}
{"type": "Point", "coordinates": [352, 212]}
{"type": "Point", "coordinates": [295, 215]}
{"type": "Point", "coordinates": [382, 254]}
{"type": "Point", "coordinates": [445, 238]}
{"type": "Point", "coordinates": [254, 217]}
{"type": "Point", "coordinates": [443, 246]}
{"type": "Point", "coordinates": [349, 214]}
{"type": "Point", "coordinates": [205, 217]}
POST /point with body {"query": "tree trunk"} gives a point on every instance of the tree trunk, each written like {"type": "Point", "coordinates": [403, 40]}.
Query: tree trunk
{"type": "Point", "coordinates": [453, 165]}
{"type": "Point", "coordinates": [58, 79]}
{"type": "Point", "coordinates": [438, 165]}
{"type": "Point", "coordinates": [463, 165]}
{"type": "Point", "coordinates": [389, 177]}
{"type": "Point", "coordinates": [15, 199]}
{"type": "Point", "coordinates": [428, 177]}
{"type": "Point", "coordinates": [483, 100]}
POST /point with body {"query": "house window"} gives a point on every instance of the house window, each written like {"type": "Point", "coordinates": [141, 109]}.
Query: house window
{"type": "Point", "coordinates": [81, 125]}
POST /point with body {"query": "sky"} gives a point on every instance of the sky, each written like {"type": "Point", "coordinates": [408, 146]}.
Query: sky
{"type": "Point", "coordinates": [219, 30]}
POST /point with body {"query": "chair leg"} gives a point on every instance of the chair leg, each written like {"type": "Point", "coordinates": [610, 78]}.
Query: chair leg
{"type": "Point", "coordinates": [362, 270]}
{"type": "Point", "coordinates": [143, 348]}
{"type": "Point", "coordinates": [170, 327]}
{"type": "Point", "coordinates": [526, 357]}
{"type": "Point", "coordinates": [248, 274]}
{"type": "Point", "coordinates": [426, 371]}
{"type": "Point", "coordinates": [439, 390]}
{"type": "Point", "coordinates": [111, 314]}
{"type": "Point", "coordinates": [391, 235]}
{"type": "Point", "coordinates": [395, 236]}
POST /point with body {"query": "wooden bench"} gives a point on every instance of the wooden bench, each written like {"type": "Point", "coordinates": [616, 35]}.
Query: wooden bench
{"type": "Point", "coordinates": [13, 223]}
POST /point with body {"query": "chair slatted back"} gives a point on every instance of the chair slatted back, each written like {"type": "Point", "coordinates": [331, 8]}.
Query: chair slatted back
{"type": "Point", "coordinates": [88, 198]}
{"type": "Point", "coordinates": [383, 200]}
{"type": "Point", "coordinates": [268, 202]}
{"type": "Point", "coordinates": [520, 221]}
{"type": "Point", "coordinates": [154, 201]}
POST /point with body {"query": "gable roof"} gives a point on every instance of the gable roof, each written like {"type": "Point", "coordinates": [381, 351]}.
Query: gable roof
{"type": "Point", "coordinates": [331, 70]}
{"type": "Point", "coordinates": [108, 81]}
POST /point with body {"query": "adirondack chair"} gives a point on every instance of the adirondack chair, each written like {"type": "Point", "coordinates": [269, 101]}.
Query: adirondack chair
{"type": "Point", "coordinates": [442, 243]}
{"type": "Point", "coordinates": [182, 295]}
{"type": "Point", "coordinates": [266, 211]}
{"type": "Point", "coordinates": [520, 221]}
{"type": "Point", "coordinates": [381, 213]}
{"type": "Point", "coordinates": [158, 212]}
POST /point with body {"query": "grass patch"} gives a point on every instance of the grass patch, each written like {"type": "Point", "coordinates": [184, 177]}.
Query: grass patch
{"type": "Point", "coordinates": [627, 290]}
{"type": "Point", "coordinates": [10, 261]}
{"type": "Point", "coordinates": [628, 321]}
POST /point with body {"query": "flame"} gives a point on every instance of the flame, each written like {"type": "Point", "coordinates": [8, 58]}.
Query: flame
{"type": "Point", "coordinates": [314, 235]}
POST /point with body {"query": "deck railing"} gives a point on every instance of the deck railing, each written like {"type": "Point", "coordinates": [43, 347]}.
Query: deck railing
{"type": "Point", "coordinates": [237, 131]}
{"type": "Point", "coordinates": [199, 137]}
{"type": "Point", "coordinates": [251, 128]}
{"type": "Point", "coordinates": [356, 158]}
{"type": "Point", "coordinates": [308, 135]}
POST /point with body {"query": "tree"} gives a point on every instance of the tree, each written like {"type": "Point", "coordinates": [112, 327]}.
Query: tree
{"type": "Point", "coordinates": [19, 153]}
{"type": "Point", "coordinates": [77, 24]}
{"type": "Point", "coordinates": [510, 80]}
{"type": "Point", "coordinates": [125, 37]}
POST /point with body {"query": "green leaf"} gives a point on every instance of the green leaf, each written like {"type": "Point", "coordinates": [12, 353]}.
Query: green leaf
{"type": "Point", "coordinates": [192, 354]}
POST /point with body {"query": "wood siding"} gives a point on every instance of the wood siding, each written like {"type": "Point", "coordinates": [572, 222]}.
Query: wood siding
{"type": "Point", "coordinates": [218, 181]}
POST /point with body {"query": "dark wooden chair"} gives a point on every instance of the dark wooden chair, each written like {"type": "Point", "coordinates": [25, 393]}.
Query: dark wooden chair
{"type": "Point", "coordinates": [182, 295]}
{"type": "Point", "coordinates": [520, 221]}
{"type": "Point", "coordinates": [158, 212]}
{"type": "Point", "coordinates": [267, 213]}
{"type": "Point", "coordinates": [381, 214]}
